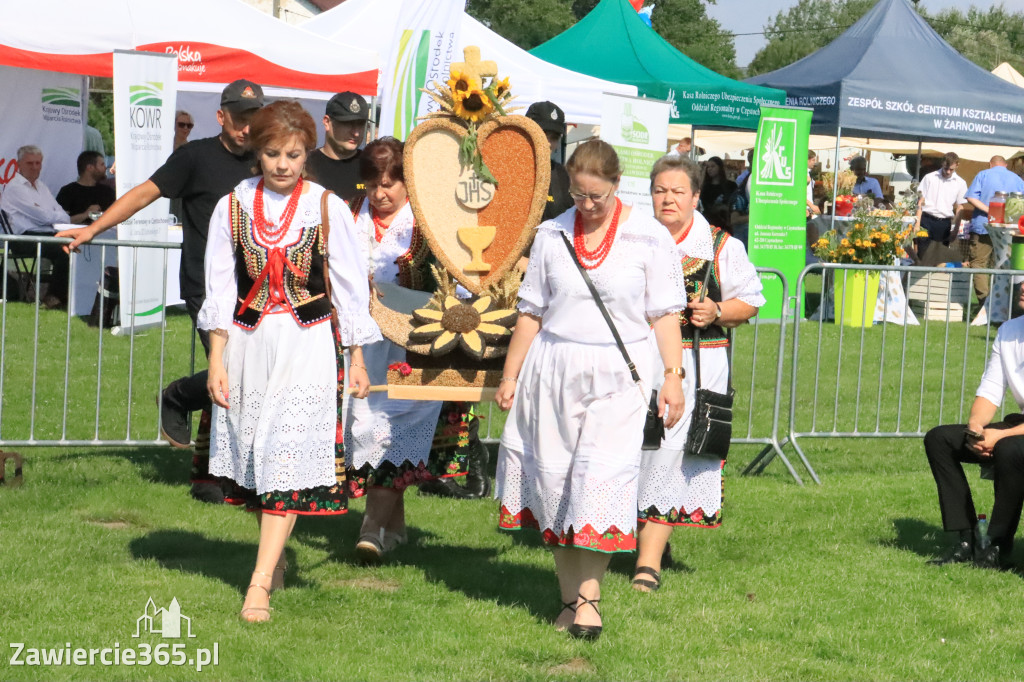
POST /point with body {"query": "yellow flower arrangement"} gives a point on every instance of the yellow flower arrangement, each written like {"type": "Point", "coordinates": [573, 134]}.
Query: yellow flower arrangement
{"type": "Point", "coordinates": [460, 83]}
{"type": "Point", "coordinates": [870, 238]}
{"type": "Point", "coordinates": [473, 106]}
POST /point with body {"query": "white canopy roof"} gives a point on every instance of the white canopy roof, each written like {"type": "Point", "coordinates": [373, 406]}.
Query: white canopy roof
{"type": "Point", "coordinates": [217, 41]}
{"type": "Point", "coordinates": [371, 24]}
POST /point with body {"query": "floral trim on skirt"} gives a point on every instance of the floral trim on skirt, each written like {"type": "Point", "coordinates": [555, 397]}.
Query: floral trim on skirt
{"type": "Point", "coordinates": [610, 541]}
{"type": "Point", "coordinates": [387, 475]}
{"type": "Point", "coordinates": [457, 425]}
{"type": "Point", "coordinates": [680, 517]}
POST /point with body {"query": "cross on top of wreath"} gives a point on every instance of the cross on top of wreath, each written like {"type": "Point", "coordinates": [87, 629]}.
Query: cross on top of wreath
{"type": "Point", "coordinates": [473, 67]}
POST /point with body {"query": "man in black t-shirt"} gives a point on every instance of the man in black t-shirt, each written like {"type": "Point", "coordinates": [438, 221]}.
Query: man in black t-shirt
{"type": "Point", "coordinates": [551, 119]}
{"type": "Point", "coordinates": [199, 173]}
{"type": "Point", "coordinates": [87, 194]}
{"type": "Point", "coordinates": [336, 164]}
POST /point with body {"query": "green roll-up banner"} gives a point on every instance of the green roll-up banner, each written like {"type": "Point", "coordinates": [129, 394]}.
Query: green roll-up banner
{"type": "Point", "coordinates": [778, 200]}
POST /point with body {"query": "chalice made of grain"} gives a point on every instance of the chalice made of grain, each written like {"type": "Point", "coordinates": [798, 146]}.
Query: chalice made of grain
{"type": "Point", "coordinates": [476, 238]}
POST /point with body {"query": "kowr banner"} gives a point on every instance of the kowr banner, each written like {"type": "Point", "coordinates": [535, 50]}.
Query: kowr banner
{"type": "Point", "coordinates": [638, 129]}
{"type": "Point", "coordinates": [145, 86]}
{"type": "Point", "coordinates": [778, 200]}
{"type": "Point", "coordinates": [45, 109]}
{"type": "Point", "coordinates": [424, 46]}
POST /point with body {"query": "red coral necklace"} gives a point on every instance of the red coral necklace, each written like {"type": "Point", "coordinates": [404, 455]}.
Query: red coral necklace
{"type": "Point", "coordinates": [685, 232]}
{"type": "Point", "coordinates": [269, 233]}
{"type": "Point", "coordinates": [592, 259]}
{"type": "Point", "coordinates": [379, 228]}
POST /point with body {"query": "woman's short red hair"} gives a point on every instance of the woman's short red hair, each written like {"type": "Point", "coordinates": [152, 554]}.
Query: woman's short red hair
{"type": "Point", "coordinates": [380, 158]}
{"type": "Point", "coordinates": [279, 121]}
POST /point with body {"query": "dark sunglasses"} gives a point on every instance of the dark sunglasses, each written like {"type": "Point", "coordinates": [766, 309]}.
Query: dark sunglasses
{"type": "Point", "coordinates": [188, 126]}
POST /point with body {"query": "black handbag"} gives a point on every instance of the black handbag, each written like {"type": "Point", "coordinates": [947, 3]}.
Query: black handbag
{"type": "Point", "coordinates": [711, 422]}
{"type": "Point", "coordinates": [654, 425]}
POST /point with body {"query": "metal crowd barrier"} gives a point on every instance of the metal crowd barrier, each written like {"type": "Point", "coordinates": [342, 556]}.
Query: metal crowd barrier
{"type": "Point", "coordinates": [906, 378]}
{"type": "Point", "coordinates": [112, 384]}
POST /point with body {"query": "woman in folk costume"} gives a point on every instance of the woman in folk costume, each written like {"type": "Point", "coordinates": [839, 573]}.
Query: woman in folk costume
{"type": "Point", "coordinates": [675, 490]}
{"type": "Point", "coordinates": [388, 441]}
{"type": "Point", "coordinates": [277, 259]}
{"type": "Point", "coordinates": [570, 453]}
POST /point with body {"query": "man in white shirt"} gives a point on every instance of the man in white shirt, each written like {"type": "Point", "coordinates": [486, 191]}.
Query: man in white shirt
{"type": "Point", "coordinates": [32, 210]}
{"type": "Point", "coordinates": [998, 446]}
{"type": "Point", "coordinates": [943, 193]}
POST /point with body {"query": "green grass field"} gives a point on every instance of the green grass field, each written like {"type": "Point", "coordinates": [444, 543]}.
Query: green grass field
{"type": "Point", "coordinates": [801, 583]}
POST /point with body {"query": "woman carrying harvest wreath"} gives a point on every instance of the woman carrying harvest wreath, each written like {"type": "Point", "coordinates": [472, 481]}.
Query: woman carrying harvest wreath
{"type": "Point", "coordinates": [275, 268]}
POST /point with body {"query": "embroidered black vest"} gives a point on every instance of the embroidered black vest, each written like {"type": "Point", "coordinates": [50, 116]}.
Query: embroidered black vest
{"type": "Point", "coordinates": [297, 268]}
{"type": "Point", "coordinates": [694, 269]}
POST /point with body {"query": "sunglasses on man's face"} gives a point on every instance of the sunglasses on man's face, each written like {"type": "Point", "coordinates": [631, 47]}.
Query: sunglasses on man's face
{"type": "Point", "coordinates": [187, 126]}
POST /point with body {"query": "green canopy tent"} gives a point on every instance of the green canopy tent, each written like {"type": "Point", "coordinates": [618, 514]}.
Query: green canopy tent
{"type": "Point", "coordinates": [612, 42]}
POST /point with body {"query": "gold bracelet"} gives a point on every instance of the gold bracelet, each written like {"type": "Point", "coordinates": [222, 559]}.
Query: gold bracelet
{"type": "Point", "coordinates": [508, 379]}
{"type": "Point", "coordinates": [676, 370]}
{"type": "Point", "coordinates": [352, 364]}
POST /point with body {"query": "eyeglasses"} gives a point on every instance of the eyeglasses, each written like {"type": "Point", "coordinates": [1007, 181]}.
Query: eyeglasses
{"type": "Point", "coordinates": [596, 198]}
{"type": "Point", "coordinates": [187, 126]}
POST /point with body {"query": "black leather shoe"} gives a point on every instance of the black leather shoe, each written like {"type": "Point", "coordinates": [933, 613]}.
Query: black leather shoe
{"type": "Point", "coordinates": [586, 632]}
{"type": "Point", "coordinates": [992, 557]}
{"type": "Point", "coordinates": [209, 492]}
{"type": "Point", "coordinates": [174, 420]}
{"type": "Point", "coordinates": [478, 483]}
{"type": "Point", "coordinates": [441, 487]}
{"type": "Point", "coordinates": [962, 553]}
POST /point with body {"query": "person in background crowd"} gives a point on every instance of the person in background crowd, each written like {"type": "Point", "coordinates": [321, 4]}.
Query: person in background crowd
{"type": "Point", "coordinates": [684, 147]}
{"type": "Point", "coordinates": [676, 490]}
{"type": "Point", "coordinates": [336, 164]}
{"type": "Point", "coordinates": [387, 441]}
{"type": "Point", "coordinates": [200, 173]}
{"type": "Point", "coordinates": [87, 195]}
{"type": "Point", "coordinates": [32, 210]}
{"type": "Point", "coordinates": [863, 183]}
{"type": "Point", "coordinates": [570, 452]}
{"type": "Point", "coordinates": [812, 208]}
{"type": "Point", "coordinates": [274, 371]}
{"type": "Point", "coordinates": [997, 446]}
{"type": "Point", "coordinates": [996, 178]}
{"type": "Point", "coordinates": [183, 124]}
{"type": "Point", "coordinates": [716, 186]}
{"type": "Point", "coordinates": [942, 194]}
{"type": "Point", "coordinates": [551, 120]}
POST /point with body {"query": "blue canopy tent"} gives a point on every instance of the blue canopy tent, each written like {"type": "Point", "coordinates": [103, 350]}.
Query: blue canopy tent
{"type": "Point", "coordinates": [891, 75]}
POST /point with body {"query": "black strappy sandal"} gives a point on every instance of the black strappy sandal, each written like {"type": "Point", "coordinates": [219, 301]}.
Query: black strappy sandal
{"type": "Point", "coordinates": [651, 585]}
{"type": "Point", "coordinates": [586, 632]}
{"type": "Point", "coordinates": [571, 605]}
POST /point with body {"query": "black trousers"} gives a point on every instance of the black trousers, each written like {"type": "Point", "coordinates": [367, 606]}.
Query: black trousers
{"type": "Point", "coordinates": [947, 450]}
{"type": "Point", "coordinates": [190, 392]}
{"type": "Point", "coordinates": [939, 229]}
{"type": "Point", "coordinates": [60, 260]}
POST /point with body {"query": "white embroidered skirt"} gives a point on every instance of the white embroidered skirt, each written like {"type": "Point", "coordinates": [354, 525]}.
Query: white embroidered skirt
{"type": "Point", "coordinates": [379, 430]}
{"type": "Point", "coordinates": [570, 451]}
{"type": "Point", "coordinates": [279, 431]}
{"type": "Point", "coordinates": [671, 483]}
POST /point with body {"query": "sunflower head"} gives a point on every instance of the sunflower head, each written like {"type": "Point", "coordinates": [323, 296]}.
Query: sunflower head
{"type": "Point", "coordinates": [473, 106]}
{"type": "Point", "coordinates": [462, 83]}
{"type": "Point", "coordinates": [467, 325]}
{"type": "Point", "coordinates": [501, 87]}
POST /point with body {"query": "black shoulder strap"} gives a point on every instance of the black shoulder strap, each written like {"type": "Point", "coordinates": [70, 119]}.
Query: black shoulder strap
{"type": "Point", "coordinates": [696, 339]}
{"type": "Point", "coordinates": [600, 306]}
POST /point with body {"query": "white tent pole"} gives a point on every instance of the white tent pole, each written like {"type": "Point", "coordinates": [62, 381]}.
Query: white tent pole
{"type": "Point", "coordinates": [693, 143]}
{"type": "Point", "coordinates": [835, 177]}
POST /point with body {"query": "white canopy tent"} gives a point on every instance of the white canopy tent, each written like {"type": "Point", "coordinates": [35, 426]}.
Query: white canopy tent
{"type": "Point", "coordinates": [371, 24]}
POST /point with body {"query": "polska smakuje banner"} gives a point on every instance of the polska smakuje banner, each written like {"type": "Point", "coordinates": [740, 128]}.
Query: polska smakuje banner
{"type": "Point", "coordinates": [778, 200]}
{"type": "Point", "coordinates": [145, 88]}
{"type": "Point", "coordinates": [425, 45]}
{"type": "Point", "coordinates": [637, 128]}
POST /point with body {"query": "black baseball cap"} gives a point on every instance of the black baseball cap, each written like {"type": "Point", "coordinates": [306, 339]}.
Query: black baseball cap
{"type": "Point", "coordinates": [348, 106]}
{"type": "Point", "coordinates": [241, 95]}
{"type": "Point", "coordinates": [548, 116]}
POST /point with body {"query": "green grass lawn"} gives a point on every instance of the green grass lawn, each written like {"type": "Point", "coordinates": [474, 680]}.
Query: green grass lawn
{"type": "Point", "coordinates": [816, 582]}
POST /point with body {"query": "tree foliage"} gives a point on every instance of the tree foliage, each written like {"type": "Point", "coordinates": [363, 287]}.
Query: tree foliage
{"type": "Point", "coordinates": [685, 24]}
{"type": "Point", "coordinates": [986, 37]}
